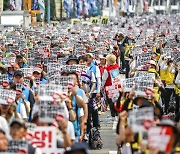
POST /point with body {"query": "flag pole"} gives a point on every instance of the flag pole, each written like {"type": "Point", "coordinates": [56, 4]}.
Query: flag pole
{"type": "Point", "coordinates": [48, 11]}
{"type": "Point", "coordinates": [60, 10]}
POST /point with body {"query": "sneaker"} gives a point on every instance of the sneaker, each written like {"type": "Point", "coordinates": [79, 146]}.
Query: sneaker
{"type": "Point", "coordinates": [99, 112]}
{"type": "Point", "coordinates": [122, 71]}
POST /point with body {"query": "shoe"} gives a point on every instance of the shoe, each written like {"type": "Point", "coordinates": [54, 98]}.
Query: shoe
{"type": "Point", "coordinates": [99, 112]}
{"type": "Point", "coordinates": [122, 71]}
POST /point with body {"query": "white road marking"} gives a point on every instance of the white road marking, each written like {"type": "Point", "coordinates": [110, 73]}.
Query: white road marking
{"type": "Point", "coordinates": [112, 152]}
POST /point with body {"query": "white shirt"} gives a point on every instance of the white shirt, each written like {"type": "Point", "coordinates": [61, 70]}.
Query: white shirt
{"type": "Point", "coordinates": [177, 81]}
{"type": "Point", "coordinates": [23, 111]}
{"type": "Point", "coordinates": [104, 77]}
{"type": "Point", "coordinates": [4, 125]}
{"type": "Point", "coordinates": [70, 132]}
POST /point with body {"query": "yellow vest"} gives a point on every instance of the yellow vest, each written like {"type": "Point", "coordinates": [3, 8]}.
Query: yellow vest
{"type": "Point", "coordinates": [151, 70]}
{"type": "Point", "coordinates": [177, 89]}
{"type": "Point", "coordinates": [163, 75]}
{"type": "Point", "coordinates": [169, 77]}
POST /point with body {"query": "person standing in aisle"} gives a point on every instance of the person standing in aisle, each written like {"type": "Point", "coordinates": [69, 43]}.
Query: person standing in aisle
{"type": "Point", "coordinates": [92, 112]}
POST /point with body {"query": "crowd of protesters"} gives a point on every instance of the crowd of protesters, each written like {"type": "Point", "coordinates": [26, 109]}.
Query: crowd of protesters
{"type": "Point", "coordinates": [129, 66]}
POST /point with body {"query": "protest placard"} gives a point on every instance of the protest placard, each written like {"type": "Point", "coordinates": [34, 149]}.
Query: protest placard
{"type": "Point", "coordinates": [137, 118]}
{"type": "Point", "coordinates": [7, 97]}
{"type": "Point", "coordinates": [17, 146]}
{"type": "Point", "coordinates": [52, 92]}
{"type": "Point", "coordinates": [145, 74]}
{"type": "Point", "coordinates": [112, 92]}
{"type": "Point", "coordinates": [27, 71]}
{"type": "Point", "coordinates": [160, 138]}
{"type": "Point", "coordinates": [48, 110]}
{"type": "Point", "coordinates": [44, 138]}
{"type": "Point", "coordinates": [63, 81]}
{"type": "Point", "coordinates": [142, 84]}
{"type": "Point", "coordinates": [4, 81]}
{"type": "Point", "coordinates": [127, 84]}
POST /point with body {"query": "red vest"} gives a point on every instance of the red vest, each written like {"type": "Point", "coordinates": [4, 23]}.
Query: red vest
{"type": "Point", "coordinates": [109, 68]}
{"type": "Point", "coordinates": [101, 68]}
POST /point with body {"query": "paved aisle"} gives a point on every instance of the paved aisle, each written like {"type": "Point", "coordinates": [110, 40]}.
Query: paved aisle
{"type": "Point", "coordinates": [108, 135]}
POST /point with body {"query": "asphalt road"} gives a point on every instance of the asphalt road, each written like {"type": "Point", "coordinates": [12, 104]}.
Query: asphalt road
{"type": "Point", "coordinates": [108, 135]}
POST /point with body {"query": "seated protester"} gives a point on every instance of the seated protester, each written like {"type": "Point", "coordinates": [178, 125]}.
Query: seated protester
{"type": "Point", "coordinates": [65, 130]}
{"type": "Point", "coordinates": [79, 107]}
{"type": "Point", "coordinates": [21, 105]}
{"type": "Point", "coordinates": [18, 131]}
{"type": "Point", "coordinates": [3, 141]}
{"type": "Point", "coordinates": [21, 61]}
{"type": "Point", "coordinates": [78, 148]}
{"type": "Point", "coordinates": [18, 78]}
{"type": "Point", "coordinates": [9, 112]}
{"type": "Point", "coordinates": [2, 69]}
{"type": "Point", "coordinates": [39, 76]}
{"type": "Point", "coordinates": [4, 125]}
{"type": "Point", "coordinates": [72, 60]}
{"type": "Point", "coordinates": [10, 71]}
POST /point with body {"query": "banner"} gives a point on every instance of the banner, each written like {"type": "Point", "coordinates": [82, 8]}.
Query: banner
{"type": "Point", "coordinates": [94, 20]}
{"type": "Point", "coordinates": [103, 20]}
{"type": "Point", "coordinates": [44, 138]}
{"type": "Point", "coordinates": [160, 138]}
{"type": "Point", "coordinates": [35, 5]}
{"type": "Point", "coordinates": [17, 146]}
{"type": "Point", "coordinates": [74, 21]}
{"type": "Point", "coordinates": [7, 97]}
{"type": "Point", "coordinates": [42, 8]}
{"type": "Point", "coordinates": [138, 119]}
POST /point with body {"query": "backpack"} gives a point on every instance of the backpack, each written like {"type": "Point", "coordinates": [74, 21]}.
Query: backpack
{"type": "Point", "coordinates": [95, 141]}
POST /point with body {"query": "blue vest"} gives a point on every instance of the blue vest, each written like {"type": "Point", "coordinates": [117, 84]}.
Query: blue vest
{"type": "Point", "coordinates": [24, 66]}
{"type": "Point", "coordinates": [25, 91]}
{"type": "Point", "coordinates": [92, 69]}
{"type": "Point", "coordinates": [18, 107]}
{"type": "Point", "coordinates": [10, 77]}
{"type": "Point", "coordinates": [43, 81]}
{"type": "Point", "coordinates": [76, 123]}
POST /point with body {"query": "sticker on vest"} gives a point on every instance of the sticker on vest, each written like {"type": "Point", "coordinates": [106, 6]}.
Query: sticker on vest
{"type": "Point", "coordinates": [115, 76]}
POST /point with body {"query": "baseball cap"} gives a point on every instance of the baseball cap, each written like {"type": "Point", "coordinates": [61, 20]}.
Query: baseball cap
{"type": "Point", "coordinates": [89, 54]}
{"type": "Point", "coordinates": [79, 146]}
{"type": "Point", "coordinates": [72, 57]}
{"type": "Point", "coordinates": [18, 72]}
{"type": "Point", "coordinates": [18, 121]}
{"type": "Point", "coordinates": [19, 56]}
{"type": "Point", "coordinates": [37, 69]}
{"type": "Point", "coordinates": [120, 34]}
{"type": "Point", "coordinates": [102, 56]}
